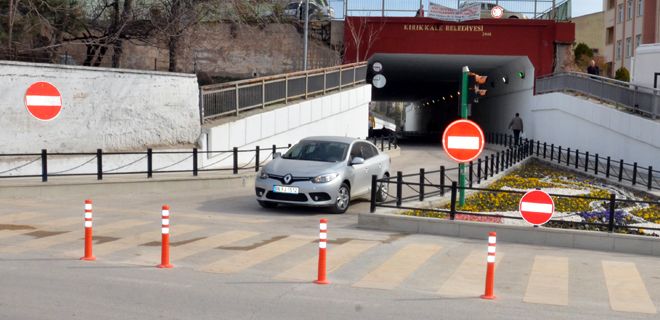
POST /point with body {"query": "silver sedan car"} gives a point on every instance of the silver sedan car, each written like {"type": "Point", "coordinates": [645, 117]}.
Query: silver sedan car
{"type": "Point", "coordinates": [322, 172]}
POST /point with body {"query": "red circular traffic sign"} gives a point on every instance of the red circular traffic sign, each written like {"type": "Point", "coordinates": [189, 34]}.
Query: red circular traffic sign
{"type": "Point", "coordinates": [497, 12]}
{"type": "Point", "coordinates": [43, 101]}
{"type": "Point", "coordinates": [463, 140]}
{"type": "Point", "coordinates": [536, 207]}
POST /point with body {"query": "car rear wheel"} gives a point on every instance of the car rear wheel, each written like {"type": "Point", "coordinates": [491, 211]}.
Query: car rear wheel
{"type": "Point", "coordinates": [343, 199]}
{"type": "Point", "coordinates": [381, 193]}
{"type": "Point", "coordinates": [267, 204]}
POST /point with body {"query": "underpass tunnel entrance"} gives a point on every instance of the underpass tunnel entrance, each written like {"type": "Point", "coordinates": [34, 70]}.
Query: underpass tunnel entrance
{"type": "Point", "coordinates": [422, 91]}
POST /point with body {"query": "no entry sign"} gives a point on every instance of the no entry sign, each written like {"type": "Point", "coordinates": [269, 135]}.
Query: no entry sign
{"type": "Point", "coordinates": [43, 101]}
{"type": "Point", "coordinates": [463, 140]}
{"type": "Point", "coordinates": [536, 207]}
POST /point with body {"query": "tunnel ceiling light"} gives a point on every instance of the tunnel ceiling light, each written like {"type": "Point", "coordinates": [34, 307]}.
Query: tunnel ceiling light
{"type": "Point", "coordinates": [505, 79]}
{"type": "Point", "coordinates": [459, 93]}
{"type": "Point", "coordinates": [443, 98]}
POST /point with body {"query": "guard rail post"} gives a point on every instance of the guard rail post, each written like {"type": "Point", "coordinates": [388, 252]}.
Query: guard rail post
{"type": "Point", "coordinates": [372, 204]}
{"type": "Point", "coordinates": [596, 164]}
{"type": "Point", "coordinates": [256, 159]}
{"type": "Point", "coordinates": [470, 173]}
{"type": "Point", "coordinates": [235, 160]}
{"type": "Point", "coordinates": [650, 178]}
{"type": "Point", "coordinates": [607, 168]}
{"type": "Point", "coordinates": [492, 165]}
{"type": "Point", "coordinates": [452, 210]}
{"type": "Point", "coordinates": [44, 165]}
{"type": "Point", "coordinates": [237, 99]}
{"type": "Point", "coordinates": [568, 157]}
{"type": "Point", "coordinates": [586, 162]}
{"type": "Point", "coordinates": [274, 151]}
{"type": "Point", "coordinates": [399, 182]}
{"type": "Point", "coordinates": [620, 170]}
{"type": "Point", "coordinates": [559, 155]}
{"type": "Point", "coordinates": [552, 152]}
{"type": "Point", "coordinates": [485, 170]}
{"type": "Point", "coordinates": [195, 166]}
{"type": "Point", "coordinates": [150, 156]}
{"type": "Point", "coordinates": [612, 206]}
{"type": "Point", "coordinates": [634, 178]}
{"type": "Point", "coordinates": [421, 184]}
{"type": "Point", "coordinates": [389, 142]}
{"type": "Point", "coordinates": [442, 180]}
{"type": "Point", "coordinates": [99, 164]}
{"type": "Point", "coordinates": [497, 162]}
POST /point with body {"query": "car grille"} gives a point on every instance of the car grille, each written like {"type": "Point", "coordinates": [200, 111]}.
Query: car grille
{"type": "Point", "coordinates": [301, 197]}
{"type": "Point", "coordinates": [293, 179]}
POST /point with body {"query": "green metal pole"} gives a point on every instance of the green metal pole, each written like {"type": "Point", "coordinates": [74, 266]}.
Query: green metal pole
{"type": "Point", "coordinates": [464, 103]}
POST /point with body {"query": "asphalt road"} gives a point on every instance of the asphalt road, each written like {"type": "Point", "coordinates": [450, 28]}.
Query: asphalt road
{"type": "Point", "coordinates": [235, 260]}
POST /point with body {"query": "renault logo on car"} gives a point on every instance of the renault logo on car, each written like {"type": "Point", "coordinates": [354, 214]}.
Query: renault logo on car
{"type": "Point", "coordinates": [287, 178]}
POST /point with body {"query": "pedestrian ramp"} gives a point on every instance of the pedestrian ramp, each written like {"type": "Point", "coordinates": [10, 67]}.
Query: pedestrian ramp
{"type": "Point", "coordinates": [424, 264]}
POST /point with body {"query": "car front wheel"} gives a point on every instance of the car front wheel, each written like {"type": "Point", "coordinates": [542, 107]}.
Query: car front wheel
{"type": "Point", "coordinates": [343, 199]}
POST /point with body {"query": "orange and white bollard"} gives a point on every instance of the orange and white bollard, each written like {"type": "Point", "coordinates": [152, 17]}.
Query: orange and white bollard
{"type": "Point", "coordinates": [165, 247]}
{"type": "Point", "coordinates": [323, 243]}
{"type": "Point", "coordinates": [88, 232]}
{"type": "Point", "coordinates": [490, 271]}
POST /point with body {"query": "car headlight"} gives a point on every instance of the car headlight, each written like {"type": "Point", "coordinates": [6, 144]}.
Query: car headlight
{"type": "Point", "coordinates": [325, 178]}
{"type": "Point", "coordinates": [263, 175]}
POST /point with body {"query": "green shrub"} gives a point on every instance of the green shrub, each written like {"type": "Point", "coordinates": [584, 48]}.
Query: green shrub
{"type": "Point", "coordinates": [622, 74]}
{"type": "Point", "coordinates": [582, 50]}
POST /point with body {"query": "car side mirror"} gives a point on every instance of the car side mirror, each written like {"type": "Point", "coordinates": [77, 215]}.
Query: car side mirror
{"type": "Point", "coordinates": [277, 155]}
{"type": "Point", "coordinates": [357, 160]}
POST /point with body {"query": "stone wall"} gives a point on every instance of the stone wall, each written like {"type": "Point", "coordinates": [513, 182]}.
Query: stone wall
{"type": "Point", "coordinates": [226, 50]}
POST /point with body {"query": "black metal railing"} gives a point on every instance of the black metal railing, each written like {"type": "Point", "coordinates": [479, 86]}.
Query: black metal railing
{"type": "Point", "coordinates": [606, 167]}
{"type": "Point", "coordinates": [232, 98]}
{"type": "Point", "coordinates": [606, 220]}
{"type": "Point", "coordinates": [143, 162]}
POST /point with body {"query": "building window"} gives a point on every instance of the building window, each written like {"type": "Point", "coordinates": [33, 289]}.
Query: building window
{"type": "Point", "coordinates": [640, 8]}
{"type": "Point", "coordinates": [628, 47]}
{"type": "Point", "coordinates": [630, 9]}
{"type": "Point", "coordinates": [619, 13]}
{"type": "Point", "coordinates": [638, 40]}
{"type": "Point", "coordinates": [618, 49]}
{"type": "Point", "coordinates": [609, 35]}
{"type": "Point", "coordinates": [610, 4]}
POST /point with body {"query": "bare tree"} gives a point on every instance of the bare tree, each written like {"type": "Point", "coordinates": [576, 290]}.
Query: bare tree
{"type": "Point", "coordinates": [363, 34]}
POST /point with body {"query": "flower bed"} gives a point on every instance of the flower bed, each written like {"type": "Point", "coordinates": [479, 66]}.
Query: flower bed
{"type": "Point", "coordinates": [536, 174]}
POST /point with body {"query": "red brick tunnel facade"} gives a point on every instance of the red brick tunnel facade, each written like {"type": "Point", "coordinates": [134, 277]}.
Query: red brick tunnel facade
{"type": "Point", "coordinates": [536, 39]}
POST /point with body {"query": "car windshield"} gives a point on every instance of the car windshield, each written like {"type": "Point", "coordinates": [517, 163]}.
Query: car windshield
{"type": "Point", "coordinates": [326, 151]}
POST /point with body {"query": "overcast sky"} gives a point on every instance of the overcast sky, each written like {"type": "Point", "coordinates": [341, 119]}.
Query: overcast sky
{"type": "Point", "coordinates": [582, 7]}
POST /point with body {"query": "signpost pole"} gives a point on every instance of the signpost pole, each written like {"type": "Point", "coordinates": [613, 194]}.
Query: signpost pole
{"type": "Point", "coordinates": [464, 107]}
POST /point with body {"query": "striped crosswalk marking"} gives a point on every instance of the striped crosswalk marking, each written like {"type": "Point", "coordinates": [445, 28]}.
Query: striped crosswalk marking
{"type": "Point", "coordinates": [50, 224]}
{"type": "Point", "coordinates": [548, 282]}
{"type": "Point", "coordinates": [337, 257]}
{"type": "Point", "coordinates": [470, 277]}
{"type": "Point", "coordinates": [626, 289]}
{"type": "Point", "coordinates": [47, 242]}
{"type": "Point", "coordinates": [13, 218]}
{"type": "Point", "coordinates": [134, 241]}
{"type": "Point", "coordinates": [255, 256]}
{"type": "Point", "coordinates": [198, 246]}
{"type": "Point", "coordinates": [397, 268]}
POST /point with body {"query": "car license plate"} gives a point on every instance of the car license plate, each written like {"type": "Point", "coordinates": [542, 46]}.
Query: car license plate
{"type": "Point", "coordinates": [282, 189]}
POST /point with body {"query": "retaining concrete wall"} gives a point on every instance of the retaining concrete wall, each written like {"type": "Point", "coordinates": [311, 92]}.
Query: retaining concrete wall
{"type": "Point", "coordinates": [590, 240]}
{"type": "Point", "coordinates": [344, 113]}
{"type": "Point", "coordinates": [111, 109]}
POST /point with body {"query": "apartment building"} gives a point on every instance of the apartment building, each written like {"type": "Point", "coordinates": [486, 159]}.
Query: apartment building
{"type": "Point", "coordinates": [628, 23]}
